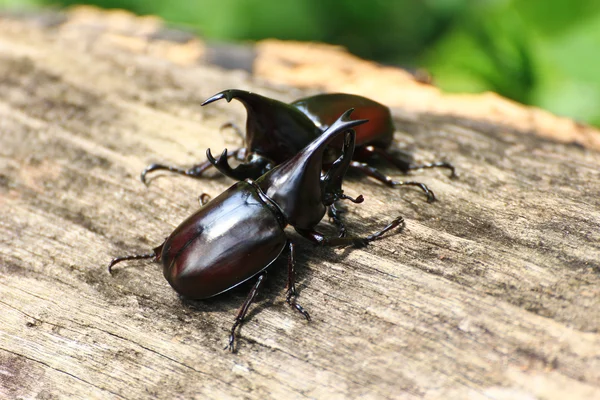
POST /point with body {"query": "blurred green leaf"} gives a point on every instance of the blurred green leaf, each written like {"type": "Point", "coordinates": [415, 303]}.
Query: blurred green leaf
{"type": "Point", "coordinates": [540, 52]}
{"type": "Point", "coordinates": [18, 4]}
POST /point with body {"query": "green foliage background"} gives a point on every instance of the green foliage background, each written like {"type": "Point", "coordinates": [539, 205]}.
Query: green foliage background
{"type": "Point", "coordinates": [540, 52]}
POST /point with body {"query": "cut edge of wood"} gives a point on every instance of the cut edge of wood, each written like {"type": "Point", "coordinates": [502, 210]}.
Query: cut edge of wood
{"type": "Point", "coordinates": [330, 68]}
{"type": "Point", "coordinates": [333, 69]}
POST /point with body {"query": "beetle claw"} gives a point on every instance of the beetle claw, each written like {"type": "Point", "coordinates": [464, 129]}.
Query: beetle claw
{"type": "Point", "coordinates": [230, 346]}
{"type": "Point", "coordinates": [357, 200]}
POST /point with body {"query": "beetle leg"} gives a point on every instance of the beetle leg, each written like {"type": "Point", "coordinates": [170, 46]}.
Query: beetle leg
{"type": "Point", "coordinates": [157, 254]}
{"type": "Point", "coordinates": [334, 214]}
{"type": "Point", "coordinates": [244, 309]}
{"type": "Point", "coordinates": [374, 173]}
{"type": "Point", "coordinates": [438, 164]}
{"type": "Point", "coordinates": [204, 198]}
{"type": "Point", "coordinates": [359, 199]}
{"type": "Point", "coordinates": [292, 294]}
{"type": "Point", "coordinates": [406, 166]}
{"type": "Point", "coordinates": [196, 171]}
{"type": "Point", "coordinates": [322, 240]}
{"type": "Point", "coordinates": [132, 257]}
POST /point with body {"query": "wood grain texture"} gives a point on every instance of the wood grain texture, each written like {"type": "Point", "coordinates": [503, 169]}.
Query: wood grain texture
{"type": "Point", "coordinates": [491, 292]}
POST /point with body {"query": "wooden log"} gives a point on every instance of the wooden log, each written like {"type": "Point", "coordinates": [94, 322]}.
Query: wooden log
{"type": "Point", "coordinates": [491, 292]}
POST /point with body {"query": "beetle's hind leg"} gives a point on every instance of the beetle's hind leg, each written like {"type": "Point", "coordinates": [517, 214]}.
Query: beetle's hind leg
{"type": "Point", "coordinates": [156, 254]}
{"type": "Point", "coordinates": [292, 294]}
{"type": "Point", "coordinates": [244, 309]}
{"type": "Point", "coordinates": [406, 166]}
{"type": "Point", "coordinates": [117, 260]}
{"type": "Point", "coordinates": [195, 172]}
{"type": "Point", "coordinates": [374, 173]}
{"type": "Point", "coordinates": [438, 164]}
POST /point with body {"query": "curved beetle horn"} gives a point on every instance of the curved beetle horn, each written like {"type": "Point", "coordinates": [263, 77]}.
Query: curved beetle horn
{"type": "Point", "coordinates": [228, 95]}
{"type": "Point", "coordinates": [296, 184]}
{"type": "Point", "coordinates": [273, 128]}
{"type": "Point", "coordinates": [222, 164]}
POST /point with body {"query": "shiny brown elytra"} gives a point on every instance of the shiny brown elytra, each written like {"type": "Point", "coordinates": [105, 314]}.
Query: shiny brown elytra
{"type": "Point", "coordinates": [240, 233]}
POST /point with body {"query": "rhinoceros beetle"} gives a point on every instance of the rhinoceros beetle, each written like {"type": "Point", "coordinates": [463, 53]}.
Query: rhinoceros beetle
{"type": "Point", "coordinates": [276, 131]}
{"type": "Point", "coordinates": [238, 234]}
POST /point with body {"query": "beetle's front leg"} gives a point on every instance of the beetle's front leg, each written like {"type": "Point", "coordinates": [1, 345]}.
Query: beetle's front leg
{"type": "Point", "coordinates": [195, 172]}
{"type": "Point", "coordinates": [374, 173]}
{"type": "Point", "coordinates": [291, 286]}
{"type": "Point", "coordinates": [322, 240]}
{"type": "Point", "coordinates": [244, 309]}
{"type": "Point", "coordinates": [334, 214]}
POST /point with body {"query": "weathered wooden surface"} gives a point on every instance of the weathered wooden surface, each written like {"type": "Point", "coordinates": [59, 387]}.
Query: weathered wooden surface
{"type": "Point", "coordinates": [492, 292]}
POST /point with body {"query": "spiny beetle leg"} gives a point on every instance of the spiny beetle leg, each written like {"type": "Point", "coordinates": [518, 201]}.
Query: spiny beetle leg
{"type": "Point", "coordinates": [334, 214]}
{"type": "Point", "coordinates": [195, 172]}
{"type": "Point", "coordinates": [439, 164]}
{"type": "Point", "coordinates": [117, 260]}
{"type": "Point", "coordinates": [244, 309]}
{"type": "Point", "coordinates": [405, 166]}
{"type": "Point", "coordinates": [374, 173]}
{"type": "Point", "coordinates": [322, 240]}
{"type": "Point", "coordinates": [292, 294]}
{"type": "Point", "coordinates": [398, 222]}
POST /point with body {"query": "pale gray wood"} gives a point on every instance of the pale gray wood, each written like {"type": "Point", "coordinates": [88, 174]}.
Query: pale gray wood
{"type": "Point", "coordinates": [491, 292]}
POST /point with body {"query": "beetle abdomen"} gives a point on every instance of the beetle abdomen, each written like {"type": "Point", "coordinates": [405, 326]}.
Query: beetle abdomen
{"type": "Point", "coordinates": [324, 109]}
{"type": "Point", "coordinates": [223, 244]}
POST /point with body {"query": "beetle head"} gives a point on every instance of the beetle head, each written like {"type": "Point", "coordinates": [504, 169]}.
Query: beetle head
{"type": "Point", "coordinates": [331, 181]}
{"type": "Point", "coordinates": [274, 129]}
{"type": "Point", "coordinates": [297, 186]}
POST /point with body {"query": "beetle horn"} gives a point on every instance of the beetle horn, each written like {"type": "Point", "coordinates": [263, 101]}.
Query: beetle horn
{"type": "Point", "coordinates": [295, 186]}
{"type": "Point", "coordinates": [227, 95]}
{"type": "Point", "coordinates": [269, 124]}
{"type": "Point", "coordinates": [221, 163]}
{"type": "Point", "coordinates": [253, 168]}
